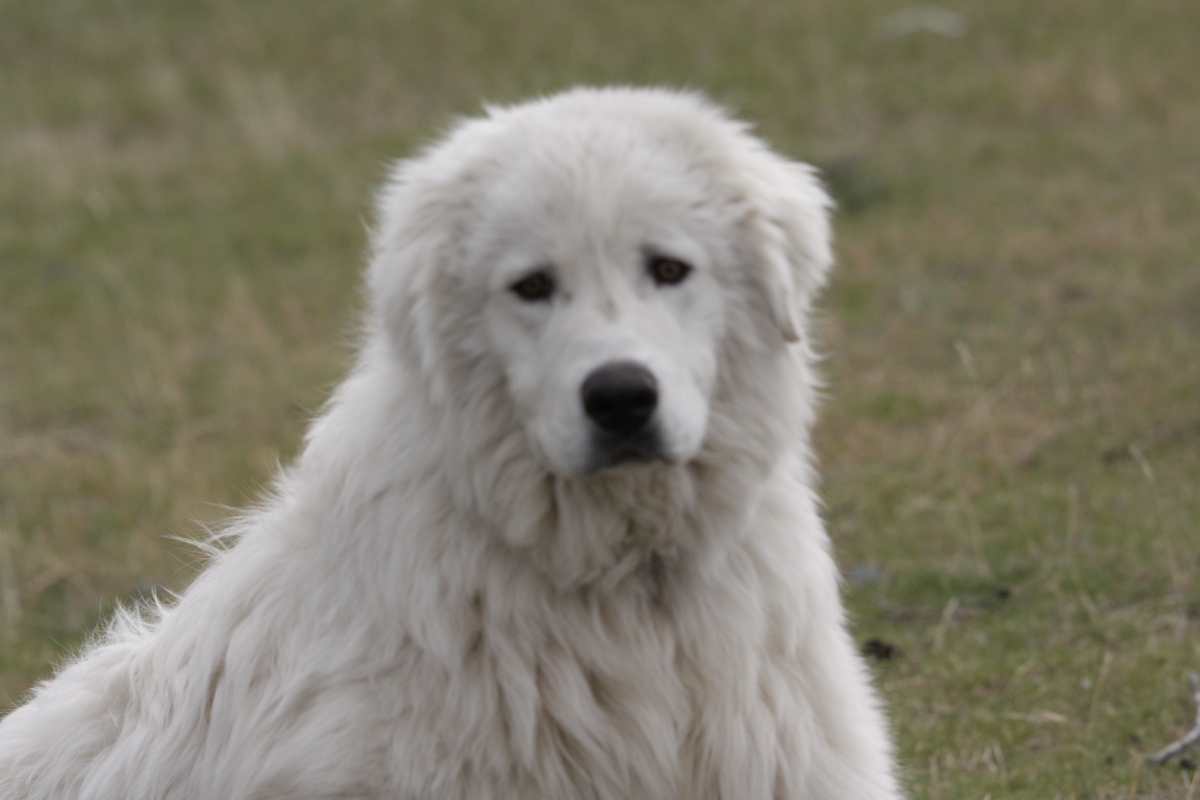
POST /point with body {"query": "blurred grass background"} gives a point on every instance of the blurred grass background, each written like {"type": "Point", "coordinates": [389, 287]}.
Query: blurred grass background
{"type": "Point", "coordinates": [1011, 441]}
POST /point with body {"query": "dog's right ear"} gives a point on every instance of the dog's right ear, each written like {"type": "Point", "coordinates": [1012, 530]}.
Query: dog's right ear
{"type": "Point", "coordinates": [411, 242]}
{"type": "Point", "coordinates": [791, 218]}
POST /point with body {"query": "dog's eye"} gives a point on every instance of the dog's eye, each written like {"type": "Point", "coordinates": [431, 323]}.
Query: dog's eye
{"type": "Point", "coordinates": [535, 287]}
{"type": "Point", "coordinates": [668, 271]}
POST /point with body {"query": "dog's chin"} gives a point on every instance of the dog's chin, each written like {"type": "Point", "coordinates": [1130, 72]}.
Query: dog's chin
{"type": "Point", "coordinates": [597, 453]}
{"type": "Point", "coordinates": [604, 454]}
{"type": "Point", "coordinates": [608, 452]}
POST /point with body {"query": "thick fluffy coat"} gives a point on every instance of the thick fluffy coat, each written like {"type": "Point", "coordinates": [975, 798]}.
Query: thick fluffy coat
{"type": "Point", "coordinates": [555, 536]}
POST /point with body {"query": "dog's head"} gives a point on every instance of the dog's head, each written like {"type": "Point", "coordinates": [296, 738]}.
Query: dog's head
{"type": "Point", "coordinates": [594, 284]}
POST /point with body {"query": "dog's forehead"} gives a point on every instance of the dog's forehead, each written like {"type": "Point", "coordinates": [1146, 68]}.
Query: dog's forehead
{"type": "Point", "coordinates": [597, 184]}
{"type": "Point", "coordinates": [601, 161]}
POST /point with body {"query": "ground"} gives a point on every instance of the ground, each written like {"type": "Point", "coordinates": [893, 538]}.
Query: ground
{"type": "Point", "coordinates": [1011, 436]}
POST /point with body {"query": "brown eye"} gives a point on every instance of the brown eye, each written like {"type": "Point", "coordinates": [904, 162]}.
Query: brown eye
{"type": "Point", "coordinates": [668, 271]}
{"type": "Point", "coordinates": [536, 287]}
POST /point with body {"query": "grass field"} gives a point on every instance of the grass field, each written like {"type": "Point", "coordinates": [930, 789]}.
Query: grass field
{"type": "Point", "coordinates": [1011, 441]}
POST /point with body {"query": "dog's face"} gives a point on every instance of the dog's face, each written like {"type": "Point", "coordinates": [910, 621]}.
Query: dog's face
{"type": "Point", "coordinates": [603, 300]}
{"type": "Point", "coordinates": [597, 251]}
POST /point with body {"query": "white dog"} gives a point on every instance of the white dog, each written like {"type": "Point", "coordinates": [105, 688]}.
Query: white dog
{"type": "Point", "coordinates": [554, 537]}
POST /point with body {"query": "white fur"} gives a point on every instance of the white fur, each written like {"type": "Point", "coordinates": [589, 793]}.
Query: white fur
{"type": "Point", "coordinates": [441, 600]}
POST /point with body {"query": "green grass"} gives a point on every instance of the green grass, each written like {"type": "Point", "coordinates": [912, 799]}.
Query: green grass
{"type": "Point", "coordinates": [1011, 440]}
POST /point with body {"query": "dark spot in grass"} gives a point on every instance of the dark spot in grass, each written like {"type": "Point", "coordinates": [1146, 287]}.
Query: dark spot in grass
{"type": "Point", "coordinates": [931, 590]}
{"type": "Point", "coordinates": [1114, 454]}
{"type": "Point", "coordinates": [852, 185]}
{"type": "Point", "coordinates": [1187, 765]}
{"type": "Point", "coordinates": [1072, 293]}
{"type": "Point", "coordinates": [864, 574]}
{"type": "Point", "coordinates": [841, 510]}
{"type": "Point", "coordinates": [1185, 433]}
{"type": "Point", "coordinates": [880, 650]}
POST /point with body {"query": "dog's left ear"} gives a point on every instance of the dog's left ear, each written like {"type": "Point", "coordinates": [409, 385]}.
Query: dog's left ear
{"type": "Point", "coordinates": [792, 221]}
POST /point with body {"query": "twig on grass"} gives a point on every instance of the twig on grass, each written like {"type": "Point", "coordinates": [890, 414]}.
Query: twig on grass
{"type": "Point", "coordinates": [1189, 738]}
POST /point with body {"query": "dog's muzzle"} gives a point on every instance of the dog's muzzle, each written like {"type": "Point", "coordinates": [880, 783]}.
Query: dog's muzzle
{"type": "Point", "coordinates": [620, 399]}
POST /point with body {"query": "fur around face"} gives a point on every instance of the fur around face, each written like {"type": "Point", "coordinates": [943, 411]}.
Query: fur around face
{"type": "Point", "coordinates": [441, 599]}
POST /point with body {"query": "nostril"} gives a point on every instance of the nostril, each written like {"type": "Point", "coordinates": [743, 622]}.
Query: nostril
{"type": "Point", "coordinates": [620, 397]}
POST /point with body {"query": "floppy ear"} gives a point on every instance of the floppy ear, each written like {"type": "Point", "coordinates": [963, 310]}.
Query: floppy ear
{"type": "Point", "coordinates": [792, 221]}
{"type": "Point", "coordinates": [410, 243]}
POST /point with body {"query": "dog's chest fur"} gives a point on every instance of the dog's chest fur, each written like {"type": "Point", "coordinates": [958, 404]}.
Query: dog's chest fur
{"type": "Point", "coordinates": [627, 695]}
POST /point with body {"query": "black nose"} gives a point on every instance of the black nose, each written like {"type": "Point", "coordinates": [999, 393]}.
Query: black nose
{"type": "Point", "coordinates": [620, 397]}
